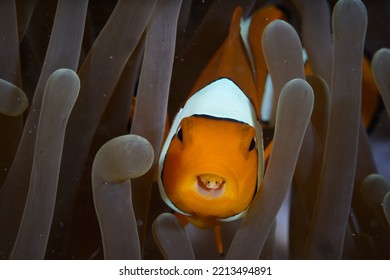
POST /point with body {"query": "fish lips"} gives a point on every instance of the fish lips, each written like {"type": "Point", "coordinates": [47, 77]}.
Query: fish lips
{"type": "Point", "coordinates": [194, 198]}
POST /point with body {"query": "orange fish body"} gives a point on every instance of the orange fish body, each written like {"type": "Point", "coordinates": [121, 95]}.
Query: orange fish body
{"type": "Point", "coordinates": [211, 164]}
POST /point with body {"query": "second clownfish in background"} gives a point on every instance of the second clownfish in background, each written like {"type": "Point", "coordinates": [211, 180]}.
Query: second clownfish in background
{"type": "Point", "coordinates": [211, 163]}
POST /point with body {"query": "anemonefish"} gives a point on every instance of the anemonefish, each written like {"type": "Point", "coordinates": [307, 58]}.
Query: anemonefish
{"type": "Point", "coordinates": [211, 164]}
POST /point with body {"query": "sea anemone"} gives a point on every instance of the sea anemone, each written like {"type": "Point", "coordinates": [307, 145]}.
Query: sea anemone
{"type": "Point", "coordinates": [117, 161]}
{"type": "Point", "coordinates": [127, 66]}
{"type": "Point", "coordinates": [61, 91]}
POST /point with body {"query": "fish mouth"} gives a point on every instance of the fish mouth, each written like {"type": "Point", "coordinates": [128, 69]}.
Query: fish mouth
{"type": "Point", "coordinates": [210, 185]}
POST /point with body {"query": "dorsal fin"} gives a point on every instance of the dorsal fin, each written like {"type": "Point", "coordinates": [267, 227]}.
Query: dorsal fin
{"type": "Point", "coordinates": [232, 62]}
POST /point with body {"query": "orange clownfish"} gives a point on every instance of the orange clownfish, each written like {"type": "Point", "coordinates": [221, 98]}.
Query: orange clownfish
{"type": "Point", "coordinates": [211, 163]}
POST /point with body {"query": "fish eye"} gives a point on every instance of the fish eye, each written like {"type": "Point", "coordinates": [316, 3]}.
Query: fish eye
{"type": "Point", "coordinates": [252, 145]}
{"type": "Point", "coordinates": [179, 134]}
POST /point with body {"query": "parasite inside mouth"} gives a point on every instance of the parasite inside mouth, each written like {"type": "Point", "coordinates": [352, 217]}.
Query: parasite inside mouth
{"type": "Point", "coordinates": [210, 185]}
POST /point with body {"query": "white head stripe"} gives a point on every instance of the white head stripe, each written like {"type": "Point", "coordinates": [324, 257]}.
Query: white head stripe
{"type": "Point", "coordinates": [220, 99]}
